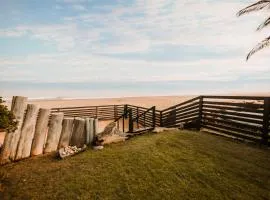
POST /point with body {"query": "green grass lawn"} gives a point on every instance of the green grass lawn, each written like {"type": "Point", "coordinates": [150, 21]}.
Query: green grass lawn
{"type": "Point", "coordinates": [175, 165]}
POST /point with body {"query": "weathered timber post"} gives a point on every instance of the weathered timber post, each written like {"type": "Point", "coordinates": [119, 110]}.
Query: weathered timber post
{"type": "Point", "coordinates": [266, 119]}
{"type": "Point", "coordinates": [160, 118]}
{"type": "Point", "coordinates": [96, 112]}
{"type": "Point", "coordinates": [174, 116]}
{"type": "Point", "coordinates": [40, 132]}
{"type": "Point", "coordinates": [78, 133]}
{"type": "Point", "coordinates": [67, 126]}
{"type": "Point", "coordinates": [96, 130]}
{"type": "Point", "coordinates": [115, 114]}
{"type": "Point", "coordinates": [53, 136]}
{"type": "Point", "coordinates": [125, 110]}
{"type": "Point", "coordinates": [87, 130]}
{"type": "Point", "coordinates": [137, 117]}
{"type": "Point", "coordinates": [130, 122]}
{"type": "Point", "coordinates": [27, 133]}
{"type": "Point", "coordinates": [11, 139]}
{"type": "Point", "coordinates": [199, 123]}
{"type": "Point", "coordinates": [91, 130]}
{"type": "Point", "coordinates": [154, 117]}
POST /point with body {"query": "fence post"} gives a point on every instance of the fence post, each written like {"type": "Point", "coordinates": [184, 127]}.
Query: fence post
{"type": "Point", "coordinates": [154, 116]}
{"type": "Point", "coordinates": [130, 122]}
{"type": "Point", "coordinates": [115, 114]}
{"type": "Point", "coordinates": [200, 113]}
{"type": "Point", "coordinates": [125, 110]}
{"type": "Point", "coordinates": [137, 119]}
{"type": "Point", "coordinates": [96, 112]}
{"type": "Point", "coordinates": [174, 116]}
{"type": "Point", "coordinates": [266, 119]}
{"type": "Point", "coordinates": [160, 119]}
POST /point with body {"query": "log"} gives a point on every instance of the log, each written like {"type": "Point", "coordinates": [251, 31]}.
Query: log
{"type": "Point", "coordinates": [78, 133]}
{"type": "Point", "coordinates": [91, 136]}
{"type": "Point", "coordinates": [96, 131]}
{"type": "Point", "coordinates": [40, 132]}
{"type": "Point", "coordinates": [11, 140]}
{"type": "Point", "coordinates": [54, 132]}
{"type": "Point", "coordinates": [67, 127]}
{"type": "Point", "coordinates": [87, 130]}
{"type": "Point", "coordinates": [27, 133]}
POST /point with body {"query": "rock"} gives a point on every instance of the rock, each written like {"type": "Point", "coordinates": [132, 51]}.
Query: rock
{"type": "Point", "coordinates": [98, 147]}
{"type": "Point", "coordinates": [163, 129]}
{"type": "Point", "coordinates": [70, 151]}
{"type": "Point", "coordinates": [111, 134]}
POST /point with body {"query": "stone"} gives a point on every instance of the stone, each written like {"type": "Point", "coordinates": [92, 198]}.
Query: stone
{"type": "Point", "coordinates": [98, 147]}
{"type": "Point", "coordinates": [163, 129]}
{"type": "Point", "coordinates": [111, 134]}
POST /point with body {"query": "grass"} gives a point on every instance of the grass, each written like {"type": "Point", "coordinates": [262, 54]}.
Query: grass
{"type": "Point", "coordinates": [175, 165]}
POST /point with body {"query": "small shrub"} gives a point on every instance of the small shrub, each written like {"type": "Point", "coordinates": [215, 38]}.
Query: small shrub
{"type": "Point", "coordinates": [7, 118]}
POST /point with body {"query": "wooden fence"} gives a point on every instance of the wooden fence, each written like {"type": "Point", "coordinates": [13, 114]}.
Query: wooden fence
{"type": "Point", "coordinates": [245, 117]}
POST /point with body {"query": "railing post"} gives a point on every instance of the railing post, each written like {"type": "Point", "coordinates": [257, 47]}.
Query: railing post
{"type": "Point", "coordinates": [160, 119]}
{"type": "Point", "coordinates": [266, 119]}
{"type": "Point", "coordinates": [154, 116]}
{"type": "Point", "coordinates": [200, 113]}
{"type": "Point", "coordinates": [130, 122]}
{"type": "Point", "coordinates": [137, 118]}
{"type": "Point", "coordinates": [125, 110]}
{"type": "Point", "coordinates": [96, 112]}
{"type": "Point", "coordinates": [174, 116]}
{"type": "Point", "coordinates": [115, 114]}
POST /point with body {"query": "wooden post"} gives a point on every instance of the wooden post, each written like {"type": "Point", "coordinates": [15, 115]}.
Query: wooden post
{"type": "Point", "coordinates": [96, 112]}
{"type": "Point", "coordinates": [199, 123]}
{"type": "Point", "coordinates": [91, 136]}
{"type": "Point", "coordinates": [137, 118]}
{"type": "Point", "coordinates": [11, 139]}
{"type": "Point", "coordinates": [87, 131]}
{"type": "Point", "coordinates": [54, 132]}
{"type": "Point", "coordinates": [154, 117]}
{"type": "Point", "coordinates": [125, 110]}
{"type": "Point", "coordinates": [27, 133]}
{"type": "Point", "coordinates": [67, 127]}
{"type": "Point", "coordinates": [78, 133]}
{"type": "Point", "coordinates": [40, 132]}
{"type": "Point", "coordinates": [115, 112]}
{"type": "Point", "coordinates": [266, 119]}
{"type": "Point", "coordinates": [130, 122]}
{"type": "Point", "coordinates": [174, 116]}
{"type": "Point", "coordinates": [160, 118]}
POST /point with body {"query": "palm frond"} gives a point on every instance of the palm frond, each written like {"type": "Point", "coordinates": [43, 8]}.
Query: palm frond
{"type": "Point", "coordinates": [264, 24]}
{"type": "Point", "coordinates": [261, 45]}
{"type": "Point", "coordinates": [254, 7]}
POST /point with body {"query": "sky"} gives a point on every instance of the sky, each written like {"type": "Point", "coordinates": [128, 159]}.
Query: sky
{"type": "Point", "coordinates": [132, 47]}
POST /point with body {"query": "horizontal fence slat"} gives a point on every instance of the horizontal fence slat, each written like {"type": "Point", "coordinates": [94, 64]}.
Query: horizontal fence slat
{"type": "Point", "coordinates": [233, 108]}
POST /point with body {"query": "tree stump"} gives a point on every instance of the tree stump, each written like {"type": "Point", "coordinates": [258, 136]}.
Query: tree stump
{"type": "Point", "coordinates": [40, 132]}
{"type": "Point", "coordinates": [27, 133]}
{"type": "Point", "coordinates": [67, 127]}
{"type": "Point", "coordinates": [11, 139]}
{"type": "Point", "coordinates": [78, 133]}
{"type": "Point", "coordinates": [54, 132]}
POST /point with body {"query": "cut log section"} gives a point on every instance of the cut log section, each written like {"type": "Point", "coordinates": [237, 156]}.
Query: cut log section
{"type": "Point", "coordinates": [27, 133]}
{"type": "Point", "coordinates": [78, 133]}
{"type": "Point", "coordinates": [54, 132]}
{"type": "Point", "coordinates": [67, 127]}
{"type": "Point", "coordinates": [11, 140]}
{"type": "Point", "coordinates": [40, 132]}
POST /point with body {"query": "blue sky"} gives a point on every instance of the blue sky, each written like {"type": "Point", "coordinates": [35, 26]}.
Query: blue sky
{"type": "Point", "coordinates": [102, 41]}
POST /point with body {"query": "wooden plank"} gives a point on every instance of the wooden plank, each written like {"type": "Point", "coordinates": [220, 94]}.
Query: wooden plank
{"type": "Point", "coordinates": [185, 110]}
{"type": "Point", "coordinates": [40, 132]}
{"type": "Point", "coordinates": [234, 129]}
{"type": "Point", "coordinates": [247, 115]}
{"type": "Point", "coordinates": [231, 133]}
{"type": "Point", "coordinates": [54, 132]}
{"type": "Point", "coordinates": [236, 124]}
{"type": "Point", "coordinates": [27, 133]}
{"type": "Point", "coordinates": [233, 97]}
{"type": "Point", "coordinates": [240, 119]}
{"type": "Point", "coordinates": [67, 128]}
{"type": "Point", "coordinates": [244, 105]}
{"type": "Point", "coordinates": [233, 109]}
{"type": "Point", "coordinates": [11, 140]}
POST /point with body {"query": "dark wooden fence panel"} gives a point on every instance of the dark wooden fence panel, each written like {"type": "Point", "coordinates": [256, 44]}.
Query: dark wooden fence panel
{"type": "Point", "coordinates": [240, 117]}
{"type": "Point", "coordinates": [107, 112]}
{"type": "Point", "coordinates": [184, 112]}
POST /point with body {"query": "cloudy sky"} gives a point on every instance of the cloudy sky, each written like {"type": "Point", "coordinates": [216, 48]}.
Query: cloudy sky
{"type": "Point", "coordinates": [138, 41]}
